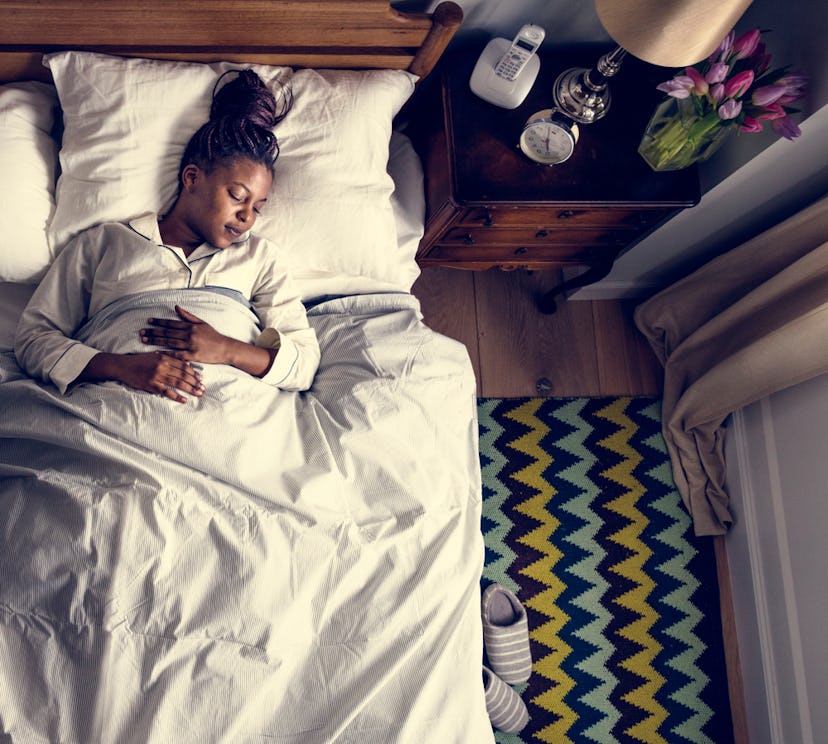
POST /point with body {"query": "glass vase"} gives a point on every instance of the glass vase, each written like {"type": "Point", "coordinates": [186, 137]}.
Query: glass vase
{"type": "Point", "coordinates": [678, 134]}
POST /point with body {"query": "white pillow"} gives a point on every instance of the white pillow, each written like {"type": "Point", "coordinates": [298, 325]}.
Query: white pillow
{"type": "Point", "coordinates": [127, 122]}
{"type": "Point", "coordinates": [28, 160]}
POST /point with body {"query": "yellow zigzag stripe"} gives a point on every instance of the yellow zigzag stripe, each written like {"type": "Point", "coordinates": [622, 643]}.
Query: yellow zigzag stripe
{"type": "Point", "coordinates": [541, 571]}
{"type": "Point", "coordinates": [632, 568]}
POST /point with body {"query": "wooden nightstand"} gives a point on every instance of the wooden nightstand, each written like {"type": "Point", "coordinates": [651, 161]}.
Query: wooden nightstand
{"type": "Point", "coordinates": [487, 205]}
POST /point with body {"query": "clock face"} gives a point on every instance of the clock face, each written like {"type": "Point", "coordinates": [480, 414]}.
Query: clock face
{"type": "Point", "coordinates": [548, 139]}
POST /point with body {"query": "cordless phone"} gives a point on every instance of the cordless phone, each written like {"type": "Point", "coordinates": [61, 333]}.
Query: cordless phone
{"type": "Point", "coordinates": [506, 70]}
{"type": "Point", "coordinates": [523, 46]}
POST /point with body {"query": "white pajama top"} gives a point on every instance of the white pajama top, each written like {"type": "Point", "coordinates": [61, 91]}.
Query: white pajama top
{"type": "Point", "coordinates": [112, 260]}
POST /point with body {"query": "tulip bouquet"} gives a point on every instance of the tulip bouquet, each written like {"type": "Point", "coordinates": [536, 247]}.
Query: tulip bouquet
{"type": "Point", "coordinates": [733, 89]}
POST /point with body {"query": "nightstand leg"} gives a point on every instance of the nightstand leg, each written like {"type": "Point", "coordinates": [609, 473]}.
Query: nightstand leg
{"type": "Point", "coordinates": [596, 272]}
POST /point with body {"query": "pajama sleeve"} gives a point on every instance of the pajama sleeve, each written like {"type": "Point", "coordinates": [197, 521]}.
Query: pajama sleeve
{"type": "Point", "coordinates": [284, 320]}
{"type": "Point", "coordinates": [43, 343]}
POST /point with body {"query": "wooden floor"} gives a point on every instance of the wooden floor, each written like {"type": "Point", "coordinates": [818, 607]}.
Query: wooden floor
{"type": "Point", "coordinates": [584, 349]}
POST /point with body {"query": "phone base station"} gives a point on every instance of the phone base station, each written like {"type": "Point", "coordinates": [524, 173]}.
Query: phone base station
{"type": "Point", "coordinates": [493, 88]}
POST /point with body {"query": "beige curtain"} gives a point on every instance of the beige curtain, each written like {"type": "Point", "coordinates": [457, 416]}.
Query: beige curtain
{"type": "Point", "coordinates": [749, 323]}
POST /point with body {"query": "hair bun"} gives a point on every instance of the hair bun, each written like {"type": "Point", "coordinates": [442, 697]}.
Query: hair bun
{"type": "Point", "coordinates": [242, 116]}
{"type": "Point", "coordinates": [247, 97]}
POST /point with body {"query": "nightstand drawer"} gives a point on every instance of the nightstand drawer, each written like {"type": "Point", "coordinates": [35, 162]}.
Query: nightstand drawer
{"type": "Point", "coordinates": [549, 254]}
{"type": "Point", "coordinates": [533, 236]}
{"type": "Point", "coordinates": [562, 216]}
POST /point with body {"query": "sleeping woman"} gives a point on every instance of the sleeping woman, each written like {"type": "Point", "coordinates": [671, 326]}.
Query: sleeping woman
{"type": "Point", "coordinates": [204, 241]}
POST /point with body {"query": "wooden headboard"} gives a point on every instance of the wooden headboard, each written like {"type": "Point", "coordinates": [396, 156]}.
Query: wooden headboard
{"type": "Point", "coordinates": [300, 33]}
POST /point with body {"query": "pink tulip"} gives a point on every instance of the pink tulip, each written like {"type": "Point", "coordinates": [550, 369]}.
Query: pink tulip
{"type": "Point", "coordinates": [795, 84]}
{"type": "Point", "coordinates": [751, 125]}
{"type": "Point", "coordinates": [746, 44]}
{"type": "Point", "coordinates": [767, 94]}
{"type": "Point", "coordinates": [678, 87]}
{"type": "Point", "coordinates": [724, 47]}
{"type": "Point", "coordinates": [700, 85]}
{"type": "Point", "coordinates": [730, 109]}
{"type": "Point", "coordinates": [760, 60]}
{"type": "Point", "coordinates": [786, 127]}
{"type": "Point", "coordinates": [717, 72]}
{"type": "Point", "coordinates": [738, 84]}
{"type": "Point", "coordinates": [774, 111]}
{"type": "Point", "coordinates": [717, 92]}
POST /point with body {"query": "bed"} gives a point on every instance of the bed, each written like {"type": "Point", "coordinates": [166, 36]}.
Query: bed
{"type": "Point", "coordinates": [254, 565]}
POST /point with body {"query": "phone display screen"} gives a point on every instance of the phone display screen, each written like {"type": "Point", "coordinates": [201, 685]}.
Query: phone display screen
{"type": "Point", "coordinates": [525, 45]}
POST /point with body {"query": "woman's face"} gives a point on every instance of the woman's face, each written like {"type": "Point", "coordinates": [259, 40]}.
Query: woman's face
{"type": "Point", "coordinates": [223, 205]}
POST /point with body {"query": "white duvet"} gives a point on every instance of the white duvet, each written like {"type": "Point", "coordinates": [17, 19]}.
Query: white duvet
{"type": "Point", "coordinates": [254, 565]}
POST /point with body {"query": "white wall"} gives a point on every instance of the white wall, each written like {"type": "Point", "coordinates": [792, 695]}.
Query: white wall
{"type": "Point", "coordinates": [778, 557]}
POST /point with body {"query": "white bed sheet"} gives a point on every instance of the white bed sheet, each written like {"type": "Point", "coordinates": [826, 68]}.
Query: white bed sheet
{"type": "Point", "coordinates": [254, 565]}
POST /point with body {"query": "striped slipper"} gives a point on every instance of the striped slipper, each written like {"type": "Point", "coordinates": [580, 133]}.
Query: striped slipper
{"type": "Point", "coordinates": [506, 635]}
{"type": "Point", "coordinates": [506, 710]}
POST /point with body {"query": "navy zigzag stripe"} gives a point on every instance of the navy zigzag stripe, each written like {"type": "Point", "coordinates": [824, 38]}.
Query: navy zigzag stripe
{"type": "Point", "coordinates": [619, 585]}
{"type": "Point", "coordinates": [579, 664]}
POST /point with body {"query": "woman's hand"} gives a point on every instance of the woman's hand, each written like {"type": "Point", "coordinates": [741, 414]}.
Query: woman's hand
{"type": "Point", "coordinates": [159, 372]}
{"type": "Point", "coordinates": [193, 340]}
{"type": "Point", "coordinates": [190, 338]}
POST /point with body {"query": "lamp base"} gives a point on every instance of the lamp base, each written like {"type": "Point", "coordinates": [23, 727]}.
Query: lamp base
{"type": "Point", "coordinates": [583, 94]}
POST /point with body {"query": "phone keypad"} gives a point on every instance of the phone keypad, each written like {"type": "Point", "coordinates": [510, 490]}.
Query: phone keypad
{"type": "Point", "coordinates": [510, 65]}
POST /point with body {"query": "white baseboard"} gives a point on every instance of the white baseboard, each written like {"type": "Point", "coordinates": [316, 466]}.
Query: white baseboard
{"type": "Point", "coordinates": [610, 289]}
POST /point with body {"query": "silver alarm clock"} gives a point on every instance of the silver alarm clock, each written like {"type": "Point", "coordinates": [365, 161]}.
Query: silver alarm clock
{"type": "Point", "coordinates": [548, 137]}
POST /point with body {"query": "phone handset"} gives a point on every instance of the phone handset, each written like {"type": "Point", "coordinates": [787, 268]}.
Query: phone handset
{"type": "Point", "coordinates": [523, 46]}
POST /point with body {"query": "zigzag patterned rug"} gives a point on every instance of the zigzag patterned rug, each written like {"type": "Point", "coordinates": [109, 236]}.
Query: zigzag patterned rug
{"type": "Point", "coordinates": [583, 522]}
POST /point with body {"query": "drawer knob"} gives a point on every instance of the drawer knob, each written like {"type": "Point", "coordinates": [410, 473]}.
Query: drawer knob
{"type": "Point", "coordinates": [520, 251]}
{"type": "Point", "coordinates": [566, 214]}
{"type": "Point", "coordinates": [468, 239]}
{"type": "Point", "coordinates": [542, 234]}
{"type": "Point", "coordinates": [489, 220]}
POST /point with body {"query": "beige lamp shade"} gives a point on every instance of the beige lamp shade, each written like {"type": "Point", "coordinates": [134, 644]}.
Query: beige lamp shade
{"type": "Point", "coordinates": [670, 33]}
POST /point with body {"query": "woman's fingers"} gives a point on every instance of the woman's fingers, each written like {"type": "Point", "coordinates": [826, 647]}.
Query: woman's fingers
{"type": "Point", "coordinates": [172, 394]}
{"type": "Point", "coordinates": [175, 374]}
{"type": "Point", "coordinates": [163, 333]}
{"type": "Point", "coordinates": [169, 342]}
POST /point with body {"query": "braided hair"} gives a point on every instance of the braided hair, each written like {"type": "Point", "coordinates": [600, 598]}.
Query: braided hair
{"type": "Point", "coordinates": [242, 116]}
